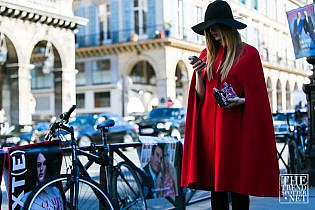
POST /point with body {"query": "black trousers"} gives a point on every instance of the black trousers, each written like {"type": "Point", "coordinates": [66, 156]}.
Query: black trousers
{"type": "Point", "coordinates": [220, 201]}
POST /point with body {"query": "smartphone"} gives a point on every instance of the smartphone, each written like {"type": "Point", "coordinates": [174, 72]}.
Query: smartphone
{"type": "Point", "coordinates": [193, 59]}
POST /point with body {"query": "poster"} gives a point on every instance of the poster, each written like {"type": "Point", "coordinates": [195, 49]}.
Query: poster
{"type": "Point", "coordinates": [301, 24]}
{"type": "Point", "coordinates": [30, 165]}
{"type": "Point", "coordinates": [159, 162]}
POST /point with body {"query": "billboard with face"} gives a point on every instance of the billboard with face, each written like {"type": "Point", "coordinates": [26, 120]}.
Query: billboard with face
{"type": "Point", "coordinates": [301, 24]}
{"type": "Point", "coordinates": [160, 164]}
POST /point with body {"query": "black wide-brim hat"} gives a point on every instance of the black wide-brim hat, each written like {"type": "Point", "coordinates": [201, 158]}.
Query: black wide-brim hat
{"type": "Point", "coordinates": [218, 12]}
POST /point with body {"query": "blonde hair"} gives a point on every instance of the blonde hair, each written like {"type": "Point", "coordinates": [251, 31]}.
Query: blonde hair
{"type": "Point", "coordinates": [231, 39]}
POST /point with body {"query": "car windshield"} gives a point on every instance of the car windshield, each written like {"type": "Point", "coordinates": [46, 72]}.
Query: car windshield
{"type": "Point", "coordinates": [164, 113]}
{"type": "Point", "coordinates": [42, 126]}
{"type": "Point", "coordinates": [83, 120]}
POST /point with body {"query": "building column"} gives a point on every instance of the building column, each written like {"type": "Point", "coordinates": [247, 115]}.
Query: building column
{"type": "Point", "coordinates": [274, 100]}
{"type": "Point", "coordinates": [21, 108]}
{"type": "Point", "coordinates": [185, 92]}
{"type": "Point", "coordinates": [284, 97]}
{"type": "Point", "coordinates": [64, 80]}
{"type": "Point", "coordinates": [166, 87]}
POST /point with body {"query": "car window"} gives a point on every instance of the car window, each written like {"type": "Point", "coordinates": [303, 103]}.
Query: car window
{"type": "Point", "coordinates": [164, 113]}
{"type": "Point", "coordinates": [83, 120]}
{"type": "Point", "coordinates": [42, 126]}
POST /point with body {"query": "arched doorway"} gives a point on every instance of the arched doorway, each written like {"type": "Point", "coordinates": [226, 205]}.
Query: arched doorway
{"type": "Point", "coordinates": [279, 96]}
{"type": "Point", "coordinates": [181, 75]}
{"type": "Point", "coordinates": [142, 85]}
{"type": "Point", "coordinates": [288, 96]}
{"type": "Point", "coordinates": [9, 84]}
{"type": "Point", "coordinates": [269, 90]}
{"type": "Point", "coordinates": [46, 74]}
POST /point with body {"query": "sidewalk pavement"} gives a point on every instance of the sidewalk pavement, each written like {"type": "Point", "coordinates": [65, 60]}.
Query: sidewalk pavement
{"type": "Point", "coordinates": [256, 203]}
{"type": "Point", "coordinates": [260, 203]}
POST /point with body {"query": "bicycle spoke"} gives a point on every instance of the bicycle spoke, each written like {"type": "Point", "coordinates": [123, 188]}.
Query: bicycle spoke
{"type": "Point", "coordinates": [90, 196]}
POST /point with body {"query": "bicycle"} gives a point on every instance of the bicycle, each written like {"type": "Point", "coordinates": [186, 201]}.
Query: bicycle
{"type": "Point", "coordinates": [298, 144]}
{"type": "Point", "coordinates": [78, 188]}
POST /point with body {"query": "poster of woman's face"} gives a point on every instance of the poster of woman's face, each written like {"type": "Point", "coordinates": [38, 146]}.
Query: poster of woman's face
{"type": "Point", "coordinates": [29, 166]}
{"type": "Point", "coordinates": [41, 167]}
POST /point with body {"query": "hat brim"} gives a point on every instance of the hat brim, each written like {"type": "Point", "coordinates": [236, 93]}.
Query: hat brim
{"type": "Point", "coordinates": [232, 23]}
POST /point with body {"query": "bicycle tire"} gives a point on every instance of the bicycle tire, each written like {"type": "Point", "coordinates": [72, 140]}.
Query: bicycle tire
{"type": "Point", "coordinates": [89, 192]}
{"type": "Point", "coordinates": [127, 189]}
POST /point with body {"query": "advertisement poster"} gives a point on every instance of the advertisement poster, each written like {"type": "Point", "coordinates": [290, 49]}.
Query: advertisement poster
{"type": "Point", "coordinates": [301, 24]}
{"type": "Point", "coordinates": [159, 162]}
{"type": "Point", "coordinates": [29, 166]}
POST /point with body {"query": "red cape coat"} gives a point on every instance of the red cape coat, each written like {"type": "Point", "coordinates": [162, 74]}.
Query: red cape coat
{"type": "Point", "coordinates": [233, 149]}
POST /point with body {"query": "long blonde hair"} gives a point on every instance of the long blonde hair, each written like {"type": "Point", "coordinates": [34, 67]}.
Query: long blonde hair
{"type": "Point", "coordinates": [231, 39]}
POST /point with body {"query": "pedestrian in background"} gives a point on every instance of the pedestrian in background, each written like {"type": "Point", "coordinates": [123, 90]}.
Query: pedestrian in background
{"type": "Point", "coordinates": [231, 148]}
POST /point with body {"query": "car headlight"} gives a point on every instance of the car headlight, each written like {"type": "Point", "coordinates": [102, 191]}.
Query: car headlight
{"type": "Point", "coordinates": [160, 125]}
{"type": "Point", "coordinates": [166, 125]}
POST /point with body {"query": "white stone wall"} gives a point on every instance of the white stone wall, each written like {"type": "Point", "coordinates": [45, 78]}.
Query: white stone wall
{"type": "Point", "coordinates": [25, 35]}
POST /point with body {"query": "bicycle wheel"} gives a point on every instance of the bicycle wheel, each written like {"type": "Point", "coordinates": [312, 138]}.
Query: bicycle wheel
{"type": "Point", "coordinates": [55, 194]}
{"type": "Point", "coordinates": [127, 190]}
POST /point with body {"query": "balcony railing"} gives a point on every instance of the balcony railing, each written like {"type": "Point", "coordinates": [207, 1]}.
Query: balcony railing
{"type": "Point", "coordinates": [154, 32]}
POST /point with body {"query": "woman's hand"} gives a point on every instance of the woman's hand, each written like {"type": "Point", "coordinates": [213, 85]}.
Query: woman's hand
{"type": "Point", "coordinates": [236, 101]}
{"type": "Point", "coordinates": [197, 63]}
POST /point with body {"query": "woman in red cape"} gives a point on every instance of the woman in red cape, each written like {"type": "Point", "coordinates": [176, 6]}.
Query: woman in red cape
{"type": "Point", "coordinates": [230, 149]}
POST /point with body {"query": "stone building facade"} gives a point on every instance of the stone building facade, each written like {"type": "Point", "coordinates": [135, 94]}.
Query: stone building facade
{"type": "Point", "coordinates": [28, 29]}
{"type": "Point", "coordinates": [133, 54]}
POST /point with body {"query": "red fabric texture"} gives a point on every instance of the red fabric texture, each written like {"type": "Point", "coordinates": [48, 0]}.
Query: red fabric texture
{"type": "Point", "coordinates": [231, 150]}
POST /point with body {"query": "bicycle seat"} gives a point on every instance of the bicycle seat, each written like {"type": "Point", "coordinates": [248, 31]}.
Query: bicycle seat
{"type": "Point", "coordinates": [106, 124]}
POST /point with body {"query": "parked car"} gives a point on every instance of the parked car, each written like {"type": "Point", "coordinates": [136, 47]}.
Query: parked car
{"type": "Point", "coordinates": [164, 122]}
{"type": "Point", "coordinates": [16, 135]}
{"type": "Point", "coordinates": [86, 132]}
{"type": "Point", "coordinates": [281, 125]}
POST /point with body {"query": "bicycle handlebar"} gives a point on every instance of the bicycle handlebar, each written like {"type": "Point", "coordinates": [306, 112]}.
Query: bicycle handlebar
{"type": "Point", "coordinates": [65, 116]}
{"type": "Point", "coordinates": [64, 119]}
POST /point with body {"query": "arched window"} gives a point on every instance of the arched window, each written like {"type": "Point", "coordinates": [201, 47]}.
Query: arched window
{"type": "Point", "coordinates": [181, 75]}
{"type": "Point", "coordinates": [143, 73]}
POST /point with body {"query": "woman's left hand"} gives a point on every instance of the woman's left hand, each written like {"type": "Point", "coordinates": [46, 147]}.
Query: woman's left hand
{"type": "Point", "coordinates": [236, 101]}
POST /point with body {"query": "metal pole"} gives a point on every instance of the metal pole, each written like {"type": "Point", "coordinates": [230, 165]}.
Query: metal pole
{"type": "Point", "coordinates": [309, 90]}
